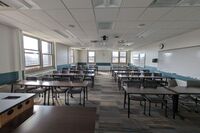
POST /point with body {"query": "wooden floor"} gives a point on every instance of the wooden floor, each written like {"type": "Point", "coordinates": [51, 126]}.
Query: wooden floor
{"type": "Point", "coordinates": [112, 118]}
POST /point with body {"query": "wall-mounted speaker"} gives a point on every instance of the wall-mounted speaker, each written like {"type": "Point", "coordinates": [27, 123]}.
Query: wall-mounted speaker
{"type": "Point", "coordinates": [155, 60]}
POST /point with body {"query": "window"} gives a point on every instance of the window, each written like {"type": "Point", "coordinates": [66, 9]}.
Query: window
{"type": "Point", "coordinates": [38, 54]}
{"type": "Point", "coordinates": [118, 57]}
{"type": "Point", "coordinates": [31, 49]}
{"type": "Point", "coordinates": [115, 57]}
{"type": "Point", "coordinates": [47, 54]}
{"type": "Point", "coordinates": [122, 57]}
{"type": "Point", "coordinates": [72, 56]}
{"type": "Point", "coordinates": [91, 57]}
{"type": "Point", "coordinates": [138, 59]}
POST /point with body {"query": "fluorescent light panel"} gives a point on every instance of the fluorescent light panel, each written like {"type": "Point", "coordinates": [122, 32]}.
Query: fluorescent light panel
{"type": "Point", "coordinates": [107, 3]}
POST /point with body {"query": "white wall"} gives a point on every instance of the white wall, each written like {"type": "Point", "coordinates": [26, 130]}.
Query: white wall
{"type": "Point", "coordinates": [184, 40]}
{"type": "Point", "coordinates": [103, 56]}
{"type": "Point", "coordinates": [76, 56]}
{"type": "Point", "coordinates": [62, 54]}
{"type": "Point", "coordinates": [9, 49]}
{"type": "Point", "coordinates": [82, 55]}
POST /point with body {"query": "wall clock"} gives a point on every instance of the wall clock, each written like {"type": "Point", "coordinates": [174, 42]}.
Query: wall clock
{"type": "Point", "coordinates": [161, 46]}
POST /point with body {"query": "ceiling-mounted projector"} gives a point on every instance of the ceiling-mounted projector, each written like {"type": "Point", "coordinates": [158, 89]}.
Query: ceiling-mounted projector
{"type": "Point", "coordinates": [104, 37]}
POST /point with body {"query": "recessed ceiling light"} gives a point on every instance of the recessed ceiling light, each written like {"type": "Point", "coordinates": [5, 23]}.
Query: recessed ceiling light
{"type": "Point", "coordinates": [141, 25]}
{"type": "Point", "coordinates": [71, 25]}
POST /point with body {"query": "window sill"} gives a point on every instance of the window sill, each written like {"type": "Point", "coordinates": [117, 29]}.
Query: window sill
{"type": "Point", "coordinates": [39, 72]}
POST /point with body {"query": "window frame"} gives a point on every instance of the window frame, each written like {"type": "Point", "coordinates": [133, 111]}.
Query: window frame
{"type": "Point", "coordinates": [119, 57]}
{"type": "Point", "coordinates": [123, 57]}
{"type": "Point", "coordinates": [71, 56]}
{"type": "Point", "coordinates": [34, 68]}
{"type": "Point", "coordinates": [42, 61]}
{"type": "Point", "coordinates": [92, 56]}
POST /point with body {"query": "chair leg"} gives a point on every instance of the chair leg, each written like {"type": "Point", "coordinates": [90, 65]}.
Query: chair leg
{"type": "Point", "coordinates": [144, 107]}
{"type": "Point", "coordinates": [44, 97]}
{"type": "Point", "coordinates": [80, 99]}
{"type": "Point", "coordinates": [65, 98]}
{"type": "Point", "coordinates": [149, 108]}
{"type": "Point", "coordinates": [52, 96]}
{"type": "Point", "coordinates": [166, 109]}
{"type": "Point", "coordinates": [128, 107]}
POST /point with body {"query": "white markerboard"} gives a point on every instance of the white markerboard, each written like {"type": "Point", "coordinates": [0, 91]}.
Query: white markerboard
{"type": "Point", "coordinates": [182, 61]}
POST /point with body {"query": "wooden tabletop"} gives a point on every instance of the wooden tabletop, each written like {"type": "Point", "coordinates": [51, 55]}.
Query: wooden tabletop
{"type": "Point", "coordinates": [54, 119]}
{"type": "Point", "coordinates": [72, 74]}
{"type": "Point", "coordinates": [148, 91]}
{"type": "Point", "coordinates": [141, 76]}
{"type": "Point", "coordinates": [52, 83]}
{"type": "Point", "coordinates": [185, 90]}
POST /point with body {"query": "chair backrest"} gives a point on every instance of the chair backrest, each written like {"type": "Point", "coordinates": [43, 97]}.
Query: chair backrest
{"type": "Point", "coordinates": [31, 78]}
{"type": "Point", "coordinates": [193, 83]}
{"type": "Point", "coordinates": [56, 71]}
{"type": "Point", "coordinates": [136, 73]}
{"type": "Point", "coordinates": [146, 71]}
{"type": "Point", "coordinates": [157, 74]}
{"type": "Point", "coordinates": [133, 83]}
{"type": "Point", "coordinates": [67, 79]}
{"type": "Point", "coordinates": [150, 84]}
{"type": "Point", "coordinates": [172, 83]}
{"type": "Point", "coordinates": [147, 74]}
{"type": "Point", "coordinates": [65, 71]}
{"type": "Point", "coordinates": [47, 79]}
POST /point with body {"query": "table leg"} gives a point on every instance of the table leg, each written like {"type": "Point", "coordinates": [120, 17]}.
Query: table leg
{"type": "Point", "coordinates": [124, 99]}
{"type": "Point", "coordinates": [175, 104]}
{"type": "Point", "coordinates": [45, 98]}
{"type": "Point", "coordinates": [52, 95]}
{"type": "Point", "coordinates": [84, 96]}
{"type": "Point", "coordinates": [12, 87]}
{"type": "Point", "coordinates": [128, 106]}
{"type": "Point", "coordinates": [48, 95]}
{"type": "Point", "coordinates": [92, 81]}
{"type": "Point", "coordinates": [86, 93]}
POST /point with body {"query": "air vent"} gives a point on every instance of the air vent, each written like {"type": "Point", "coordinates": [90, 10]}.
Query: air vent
{"type": "Point", "coordinates": [189, 3]}
{"type": "Point", "coordinates": [61, 33]}
{"type": "Point", "coordinates": [164, 3]}
{"type": "Point", "coordinates": [94, 41]}
{"type": "Point", "coordinates": [105, 25]}
{"type": "Point", "coordinates": [107, 3]}
{"type": "Point", "coordinates": [174, 3]}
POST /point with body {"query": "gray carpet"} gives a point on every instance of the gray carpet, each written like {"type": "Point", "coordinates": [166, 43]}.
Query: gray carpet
{"type": "Point", "coordinates": [112, 118]}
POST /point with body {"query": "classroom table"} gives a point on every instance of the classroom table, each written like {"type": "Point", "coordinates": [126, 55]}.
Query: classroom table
{"type": "Point", "coordinates": [54, 119]}
{"type": "Point", "coordinates": [141, 77]}
{"type": "Point", "coordinates": [53, 84]}
{"type": "Point", "coordinates": [91, 75]}
{"type": "Point", "coordinates": [179, 90]}
{"type": "Point", "coordinates": [145, 91]}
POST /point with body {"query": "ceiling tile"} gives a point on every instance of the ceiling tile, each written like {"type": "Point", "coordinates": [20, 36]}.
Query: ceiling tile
{"type": "Point", "coordinates": [182, 13]}
{"type": "Point", "coordinates": [176, 25]}
{"type": "Point", "coordinates": [19, 17]}
{"type": "Point", "coordinates": [106, 14]}
{"type": "Point", "coordinates": [78, 3]}
{"type": "Point", "coordinates": [90, 25]}
{"type": "Point", "coordinates": [154, 13]}
{"type": "Point", "coordinates": [42, 17]}
{"type": "Point", "coordinates": [60, 15]}
{"type": "Point", "coordinates": [136, 3]}
{"type": "Point", "coordinates": [130, 13]}
{"type": "Point", "coordinates": [125, 25]}
{"type": "Point", "coordinates": [49, 4]}
{"type": "Point", "coordinates": [83, 14]}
